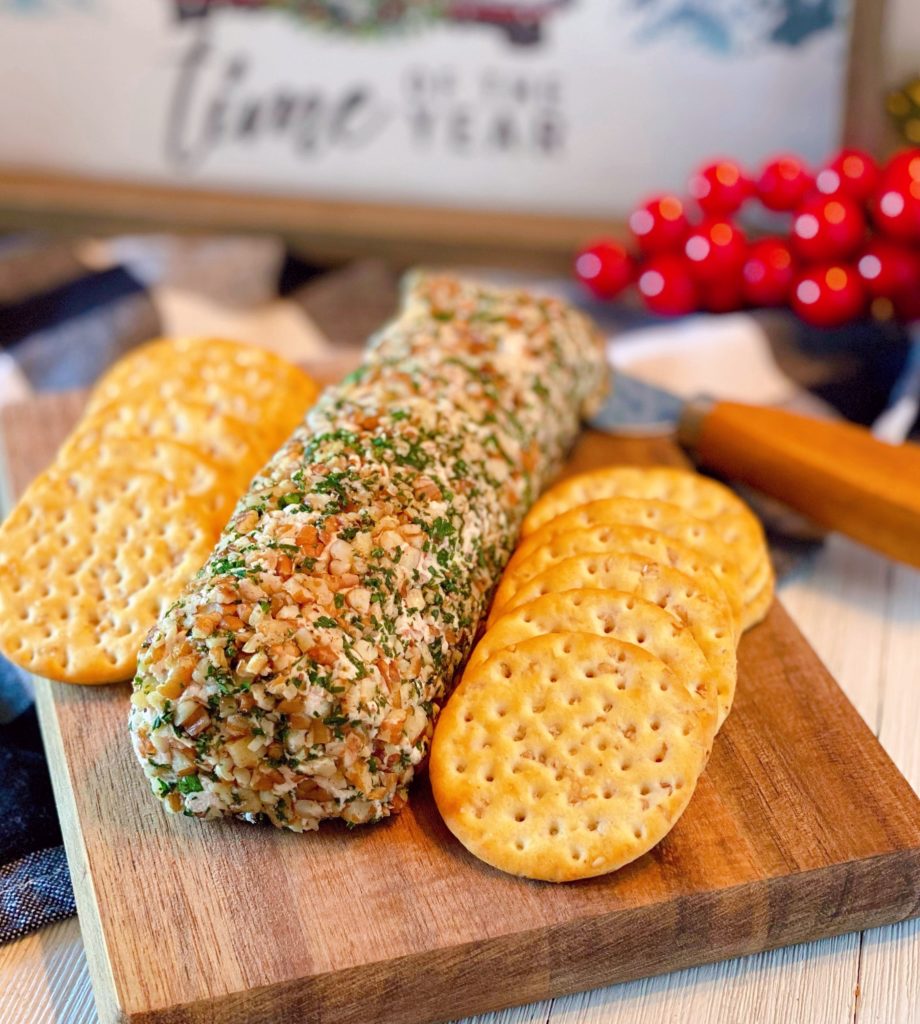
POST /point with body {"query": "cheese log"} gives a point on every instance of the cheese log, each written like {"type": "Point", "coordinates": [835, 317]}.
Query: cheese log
{"type": "Point", "coordinates": [299, 675]}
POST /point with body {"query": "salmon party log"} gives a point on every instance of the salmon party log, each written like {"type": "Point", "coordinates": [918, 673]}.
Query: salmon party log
{"type": "Point", "coordinates": [298, 676]}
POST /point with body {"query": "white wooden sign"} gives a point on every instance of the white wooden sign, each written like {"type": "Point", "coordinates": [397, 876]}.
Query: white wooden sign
{"type": "Point", "coordinates": [558, 106]}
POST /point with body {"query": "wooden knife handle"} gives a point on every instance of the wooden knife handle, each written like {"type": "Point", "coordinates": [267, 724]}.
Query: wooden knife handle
{"type": "Point", "coordinates": [836, 473]}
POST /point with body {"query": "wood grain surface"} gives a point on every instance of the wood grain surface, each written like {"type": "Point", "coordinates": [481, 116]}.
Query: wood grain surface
{"type": "Point", "coordinates": [800, 828]}
{"type": "Point", "coordinates": [324, 229]}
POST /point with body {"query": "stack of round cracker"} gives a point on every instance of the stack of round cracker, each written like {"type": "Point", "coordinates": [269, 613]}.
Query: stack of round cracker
{"type": "Point", "coordinates": [588, 710]}
{"type": "Point", "coordinates": [105, 539]}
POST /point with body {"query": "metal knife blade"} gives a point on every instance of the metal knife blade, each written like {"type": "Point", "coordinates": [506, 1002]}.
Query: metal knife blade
{"type": "Point", "coordinates": [633, 407]}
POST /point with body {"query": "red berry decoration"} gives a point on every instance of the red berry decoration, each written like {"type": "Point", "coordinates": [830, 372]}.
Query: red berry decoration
{"type": "Point", "coordinates": [715, 251]}
{"type": "Point", "coordinates": [895, 208]}
{"type": "Point", "coordinates": [720, 188]}
{"type": "Point", "coordinates": [903, 166]}
{"type": "Point", "coordinates": [828, 295]}
{"type": "Point", "coordinates": [827, 228]}
{"type": "Point", "coordinates": [660, 224]}
{"type": "Point", "coordinates": [768, 273]}
{"type": "Point", "coordinates": [852, 173]}
{"type": "Point", "coordinates": [666, 286]}
{"type": "Point", "coordinates": [827, 270]}
{"type": "Point", "coordinates": [721, 296]}
{"type": "Point", "coordinates": [783, 183]}
{"type": "Point", "coordinates": [888, 270]}
{"type": "Point", "coordinates": [605, 268]}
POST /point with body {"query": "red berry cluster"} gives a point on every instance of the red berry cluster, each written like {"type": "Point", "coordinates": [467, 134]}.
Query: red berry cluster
{"type": "Point", "coordinates": [854, 238]}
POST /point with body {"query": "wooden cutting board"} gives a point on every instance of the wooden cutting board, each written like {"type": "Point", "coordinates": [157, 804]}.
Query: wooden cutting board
{"type": "Point", "coordinates": [800, 828]}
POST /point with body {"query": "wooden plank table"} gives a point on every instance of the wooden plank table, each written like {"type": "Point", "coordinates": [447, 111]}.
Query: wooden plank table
{"type": "Point", "coordinates": [865, 613]}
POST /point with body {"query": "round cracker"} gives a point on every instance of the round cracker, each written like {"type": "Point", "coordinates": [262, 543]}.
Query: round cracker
{"type": "Point", "coordinates": [86, 565]}
{"type": "Point", "coordinates": [698, 495]}
{"type": "Point", "coordinates": [702, 608]}
{"type": "Point", "coordinates": [193, 473]}
{"type": "Point", "coordinates": [566, 756]}
{"type": "Point", "coordinates": [277, 415]}
{"type": "Point", "coordinates": [615, 613]}
{"type": "Point", "coordinates": [230, 442]}
{"type": "Point", "coordinates": [229, 365]}
{"type": "Point", "coordinates": [760, 604]}
{"type": "Point", "coordinates": [616, 537]}
{"type": "Point", "coordinates": [697, 534]}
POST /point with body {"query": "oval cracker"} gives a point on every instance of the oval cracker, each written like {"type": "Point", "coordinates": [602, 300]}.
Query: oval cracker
{"type": "Point", "coordinates": [566, 756]}
{"type": "Point", "coordinates": [697, 534]}
{"type": "Point", "coordinates": [699, 495]}
{"type": "Point", "coordinates": [603, 539]}
{"type": "Point", "coordinates": [615, 613]}
{"type": "Point", "coordinates": [86, 565]}
{"type": "Point", "coordinates": [705, 611]}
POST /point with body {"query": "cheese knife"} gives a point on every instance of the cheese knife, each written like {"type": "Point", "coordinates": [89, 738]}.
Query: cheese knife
{"type": "Point", "coordinates": [836, 473]}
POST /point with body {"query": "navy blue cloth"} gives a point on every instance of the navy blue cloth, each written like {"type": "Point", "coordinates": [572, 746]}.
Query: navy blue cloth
{"type": "Point", "coordinates": [34, 884]}
{"type": "Point", "coordinates": [34, 891]}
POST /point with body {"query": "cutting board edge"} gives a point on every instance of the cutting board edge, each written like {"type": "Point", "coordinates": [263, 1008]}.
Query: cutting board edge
{"type": "Point", "coordinates": [434, 981]}
{"type": "Point", "coordinates": [105, 990]}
